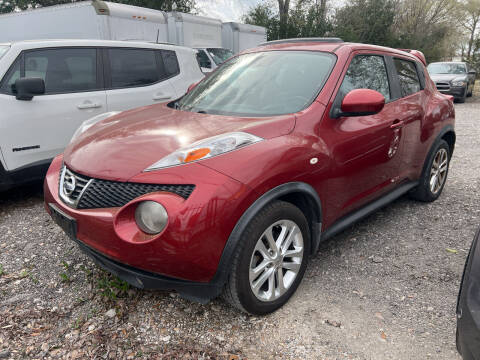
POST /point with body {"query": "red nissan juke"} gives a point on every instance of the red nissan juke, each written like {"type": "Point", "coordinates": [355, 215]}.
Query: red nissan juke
{"type": "Point", "coordinates": [229, 189]}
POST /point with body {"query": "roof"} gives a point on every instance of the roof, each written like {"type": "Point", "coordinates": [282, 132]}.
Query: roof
{"type": "Point", "coordinates": [332, 45]}
{"type": "Point", "coordinates": [30, 44]}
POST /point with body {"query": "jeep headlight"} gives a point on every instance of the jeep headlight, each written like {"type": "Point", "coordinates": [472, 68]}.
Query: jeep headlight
{"type": "Point", "coordinates": [205, 149]}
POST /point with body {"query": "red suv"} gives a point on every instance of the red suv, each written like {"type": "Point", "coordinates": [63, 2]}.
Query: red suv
{"type": "Point", "coordinates": [231, 188]}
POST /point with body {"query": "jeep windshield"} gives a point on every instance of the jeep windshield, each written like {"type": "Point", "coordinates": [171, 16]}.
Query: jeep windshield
{"type": "Point", "coordinates": [261, 84]}
{"type": "Point", "coordinates": [3, 50]}
{"type": "Point", "coordinates": [446, 68]}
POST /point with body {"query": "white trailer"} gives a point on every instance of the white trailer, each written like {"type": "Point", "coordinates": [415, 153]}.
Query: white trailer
{"type": "Point", "coordinates": [99, 20]}
{"type": "Point", "coordinates": [238, 37]}
{"type": "Point", "coordinates": [194, 31]}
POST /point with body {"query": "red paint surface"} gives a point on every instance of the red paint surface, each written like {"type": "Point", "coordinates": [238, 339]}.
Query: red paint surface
{"type": "Point", "coordinates": [354, 167]}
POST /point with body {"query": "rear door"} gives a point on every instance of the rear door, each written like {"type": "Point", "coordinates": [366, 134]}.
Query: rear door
{"type": "Point", "coordinates": [138, 77]}
{"type": "Point", "coordinates": [36, 131]}
{"type": "Point", "coordinates": [410, 112]}
{"type": "Point", "coordinates": [364, 148]}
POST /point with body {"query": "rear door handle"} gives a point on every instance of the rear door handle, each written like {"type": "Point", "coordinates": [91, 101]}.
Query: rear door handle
{"type": "Point", "coordinates": [161, 97]}
{"type": "Point", "coordinates": [397, 124]}
{"type": "Point", "coordinates": [89, 106]}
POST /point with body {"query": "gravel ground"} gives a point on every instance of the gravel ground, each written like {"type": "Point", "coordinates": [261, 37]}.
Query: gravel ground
{"type": "Point", "coordinates": [383, 289]}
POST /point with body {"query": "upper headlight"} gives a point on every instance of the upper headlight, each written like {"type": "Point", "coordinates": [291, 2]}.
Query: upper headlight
{"type": "Point", "coordinates": [206, 148]}
{"type": "Point", "coordinates": [458, 82]}
{"type": "Point", "coordinates": [87, 124]}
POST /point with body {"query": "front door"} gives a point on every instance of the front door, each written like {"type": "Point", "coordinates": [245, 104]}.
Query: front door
{"type": "Point", "coordinates": [35, 131]}
{"type": "Point", "coordinates": [364, 148]}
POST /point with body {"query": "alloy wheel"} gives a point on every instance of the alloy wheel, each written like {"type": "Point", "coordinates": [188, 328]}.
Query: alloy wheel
{"type": "Point", "coordinates": [438, 172]}
{"type": "Point", "coordinates": [276, 260]}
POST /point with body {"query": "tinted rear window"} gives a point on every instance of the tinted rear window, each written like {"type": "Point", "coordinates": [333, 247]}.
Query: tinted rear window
{"type": "Point", "coordinates": [408, 77]}
{"type": "Point", "coordinates": [170, 62]}
{"type": "Point", "coordinates": [133, 67]}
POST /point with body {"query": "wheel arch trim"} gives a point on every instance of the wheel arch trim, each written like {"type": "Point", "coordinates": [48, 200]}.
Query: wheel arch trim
{"type": "Point", "coordinates": [276, 193]}
{"type": "Point", "coordinates": [446, 129]}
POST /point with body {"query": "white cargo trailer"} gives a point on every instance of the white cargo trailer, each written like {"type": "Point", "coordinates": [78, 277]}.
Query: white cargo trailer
{"type": "Point", "coordinates": [85, 20]}
{"type": "Point", "coordinates": [194, 31]}
{"type": "Point", "coordinates": [238, 37]}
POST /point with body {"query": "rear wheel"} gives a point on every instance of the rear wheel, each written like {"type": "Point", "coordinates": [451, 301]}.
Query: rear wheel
{"type": "Point", "coordinates": [270, 261]}
{"type": "Point", "coordinates": [434, 174]}
{"type": "Point", "coordinates": [471, 90]}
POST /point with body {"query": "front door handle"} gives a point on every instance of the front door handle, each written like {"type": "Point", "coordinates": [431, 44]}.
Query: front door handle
{"type": "Point", "coordinates": [89, 106]}
{"type": "Point", "coordinates": [397, 124]}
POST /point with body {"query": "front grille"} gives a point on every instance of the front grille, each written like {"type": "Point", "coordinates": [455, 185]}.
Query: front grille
{"type": "Point", "coordinates": [98, 193]}
{"type": "Point", "coordinates": [443, 86]}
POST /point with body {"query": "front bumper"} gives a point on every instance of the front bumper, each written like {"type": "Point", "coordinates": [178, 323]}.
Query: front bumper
{"type": "Point", "coordinates": [468, 306]}
{"type": "Point", "coordinates": [456, 92]}
{"type": "Point", "coordinates": [185, 256]}
{"type": "Point", "coordinates": [195, 291]}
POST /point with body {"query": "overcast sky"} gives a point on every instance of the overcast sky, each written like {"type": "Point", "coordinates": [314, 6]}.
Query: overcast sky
{"type": "Point", "coordinates": [225, 10]}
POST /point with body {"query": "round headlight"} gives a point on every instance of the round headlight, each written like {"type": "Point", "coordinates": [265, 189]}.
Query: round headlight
{"type": "Point", "coordinates": [151, 217]}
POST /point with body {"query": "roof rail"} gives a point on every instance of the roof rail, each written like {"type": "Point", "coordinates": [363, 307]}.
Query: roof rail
{"type": "Point", "coordinates": [418, 54]}
{"type": "Point", "coordinates": [309, 39]}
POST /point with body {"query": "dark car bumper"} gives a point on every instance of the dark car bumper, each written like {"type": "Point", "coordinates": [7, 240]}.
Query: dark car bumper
{"type": "Point", "coordinates": [24, 175]}
{"type": "Point", "coordinates": [456, 92]}
{"type": "Point", "coordinates": [468, 306]}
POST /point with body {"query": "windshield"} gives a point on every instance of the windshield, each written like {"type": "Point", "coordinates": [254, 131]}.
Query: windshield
{"type": "Point", "coordinates": [220, 55]}
{"type": "Point", "coordinates": [261, 84]}
{"type": "Point", "coordinates": [3, 50]}
{"type": "Point", "coordinates": [447, 68]}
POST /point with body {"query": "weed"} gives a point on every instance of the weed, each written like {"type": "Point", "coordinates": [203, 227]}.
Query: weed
{"type": "Point", "coordinates": [111, 287]}
{"type": "Point", "coordinates": [65, 277]}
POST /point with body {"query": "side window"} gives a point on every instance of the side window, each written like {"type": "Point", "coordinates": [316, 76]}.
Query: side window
{"type": "Point", "coordinates": [408, 77]}
{"type": "Point", "coordinates": [366, 72]}
{"type": "Point", "coordinates": [171, 62]}
{"type": "Point", "coordinates": [64, 70]}
{"type": "Point", "coordinates": [8, 83]}
{"type": "Point", "coordinates": [203, 60]}
{"type": "Point", "coordinates": [133, 67]}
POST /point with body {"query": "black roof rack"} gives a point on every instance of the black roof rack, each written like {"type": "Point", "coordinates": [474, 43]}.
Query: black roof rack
{"type": "Point", "coordinates": [309, 39]}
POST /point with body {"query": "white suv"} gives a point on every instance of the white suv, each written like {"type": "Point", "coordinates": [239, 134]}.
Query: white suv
{"type": "Point", "coordinates": [48, 88]}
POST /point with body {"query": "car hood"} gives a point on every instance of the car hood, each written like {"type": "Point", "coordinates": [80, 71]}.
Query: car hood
{"type": "Point", "coordinates": [447, 77]}
{"type": "Point", "coordinates": [124, 145]}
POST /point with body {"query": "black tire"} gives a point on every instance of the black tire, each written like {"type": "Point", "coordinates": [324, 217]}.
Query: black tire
{"type": "Point", "coordinates": [462, 99]}
{"type": "Point", "coordinates": [470, 94]}
{"type": "Point", "coordinates": [423, 191]}
{"type": "Point", "coordinates": [237, 291]}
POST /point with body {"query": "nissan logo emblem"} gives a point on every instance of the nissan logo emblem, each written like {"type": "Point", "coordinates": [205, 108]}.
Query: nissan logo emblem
{"type": "Point", "coordinates": [69, 184]}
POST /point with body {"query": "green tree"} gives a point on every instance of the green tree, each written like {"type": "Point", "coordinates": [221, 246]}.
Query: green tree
{"type": "Point", "coordinates": [263, 15]}
{"type": "Point", "coordinates": [366, 21]}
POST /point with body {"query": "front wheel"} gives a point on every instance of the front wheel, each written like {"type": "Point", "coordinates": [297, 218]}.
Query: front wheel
{"type": "Point", "coordinates": [270, 260]}
{"type": "Point", "coordinates": [434, 174]}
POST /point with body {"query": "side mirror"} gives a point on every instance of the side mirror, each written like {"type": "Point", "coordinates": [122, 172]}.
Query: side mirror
{"type": "Point", "coordinates": [27, 88]}
{"type": "Point", "coordinates": [361, 102]}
